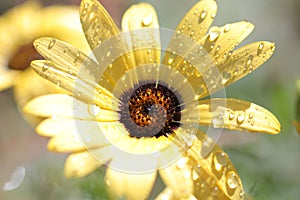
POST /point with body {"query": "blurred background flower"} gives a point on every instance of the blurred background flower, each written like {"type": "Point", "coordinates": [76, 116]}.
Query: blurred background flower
{"type": "Point", "coordinates": [268, 165]}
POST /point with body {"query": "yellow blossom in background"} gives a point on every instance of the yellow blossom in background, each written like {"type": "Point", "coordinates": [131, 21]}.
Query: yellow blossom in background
{"type": "Point", "coordinates": [138, 113]}
{"type": "Point", "coordinates": [20, 26]}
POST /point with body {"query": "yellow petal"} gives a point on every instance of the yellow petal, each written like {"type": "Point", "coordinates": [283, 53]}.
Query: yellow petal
{"type": "Point", "coordinates": [178, 177]}
{"type": "Point", "coordinates": [213, 174]}
{"type": "Point", "coordinates": [236, 114]}
{"type": "Point", "coordinates": [80, 164]}
{"type": "Point", "coordinates": [84, 89]}
{"type": "Point", "coordinates": [67, 57]}
{"type": "Point", "coordinates": [129, 186]}
{"type": "Point", "coordinates": [220, 41]}
{"type": "Point", "coordinates": [52, 127]}
{"type": "Point", "coordinates": [62, 105]}
{"type": "Point", "coordinates": [97, 24]}
{"type": "Point", "coordinates": [237, 64]}
{"type": "Point", "coordinates": [77, 135]}
{"type": "Point", "coordinates": [192, 28]}
{"type": "Point", "coordinates": [198, 19]}
{"type": "Point", "coordinates": [142, 20]}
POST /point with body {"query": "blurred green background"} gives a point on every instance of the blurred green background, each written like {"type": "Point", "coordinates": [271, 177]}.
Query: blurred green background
{"type": "Point", "coordinates": [267, 164]}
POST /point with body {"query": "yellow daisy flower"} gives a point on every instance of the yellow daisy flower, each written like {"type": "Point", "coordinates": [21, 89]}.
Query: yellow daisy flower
{"type": "Point", "coordinates": [20, 26]}
{"type": "Point", "coordinates": [138, 112]}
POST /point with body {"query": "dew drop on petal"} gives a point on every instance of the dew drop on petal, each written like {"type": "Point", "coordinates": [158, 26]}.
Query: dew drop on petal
{"type": "Point", "coordinates": [108, 53]}
{"type": "Point", "coordinates": [215, 191]}
{"type": "Point", "coordinates": [260, 48]}
{"type": "Point", "coordinates": [232, 180]}
{"type": "Point", "coordinates": [181, 163]}
{"type": "Point", "coordinates": [147, 20]}
{"type": "Point", "coordinates": [93, 110]}
{"type": "Point", "coordinates": [273, 47]}
{"type": "Point", "coordinates": [66, 50]}
{"type": "Point", "coordinates": [220, 160]}
{"type": "Point", "coordinates": [214, 33]}
{"type": "Point", "coordinates": [225, 77]}
{"type": "Point", "coordinates": [240, 118]}
{"type": "Point", "coordinates": [231, 116]}
{"type": "Point", "coordinates": [171, 58]}
{"type": "Point", "coordinates": [213, 15]}
{"type": "Point", "coordinates": [203, 15]}
{"type": "Point", "coordinates": [187, 174]}
{"type": "Point", "coordinates": [227, 28]}
{"type": "Point", "coordinates": [51, 44]}
{"type": "Point", "coordinates": [242, 193]}
{"type": "Point", "coordinates": [58, 83]}
{"type": "Point", "coordinates": [251, 115]}
{"type": "Point", "coordinates": [217, 122]}
{"type": "Point", "coordinates": [195, 175]}
{"type": "Point", "coordinates": [45, 67]}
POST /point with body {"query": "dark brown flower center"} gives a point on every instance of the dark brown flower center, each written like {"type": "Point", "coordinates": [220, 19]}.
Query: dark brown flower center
{"type": "Point", "coordinates": [151, 110]}
{"type": "Point", "coordinates": [21, 59]}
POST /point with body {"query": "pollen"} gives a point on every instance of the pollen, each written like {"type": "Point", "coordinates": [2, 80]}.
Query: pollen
{"type": "Point", "coordinates": [150, 110]}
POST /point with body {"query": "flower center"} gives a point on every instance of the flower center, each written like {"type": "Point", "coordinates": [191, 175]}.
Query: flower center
{"type": "Point", "coordinates": [21, 59]}
{"type": "Point", "coordinates": [151, 110]}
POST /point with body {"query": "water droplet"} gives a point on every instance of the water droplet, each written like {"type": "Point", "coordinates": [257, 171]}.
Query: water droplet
{"type": "Point", "coordinates": [45, 67]}
{"type": "Point", "coordinates": [250, 59]}
{"type": "Point", "coordinates": [94, 110]}
{"type": "Point", "coordinates": [58, 83]}
{"type": "Point", "coordinates": [217, 49]}
{"type": "Point", "coordinates": [232, 180]}
{"type": "Point", "coordinates": [147, 20]}
{"type": "Point", "coordinates": [187, 174]}
{"type": "Point", "coordinates": [242, 193]}
{"type": "Point", "coordinates": [250, 115]}
{"type": "Point", "coordinates": [225, 77]}
{"type": "Point", "coordinates": [235, 73]}
{"type": "Point", "coordinates": [108, 53]}
{"type": "Point", "coordinates": [217, 122]}
{"type": "Point", "coordinates": [260, 48]}
{"type": "Point", "coordinates": [220, 160]}
{"type": "Point", "coordinates": [213, 15]}
{"type": "Point", "coordinates": [215, 191]}
{"type": "Point", "coordinates": [273, 47]}
{"type": "Point", "coordinates": [51, 44]}
{"type": "Point", "coordinates": [171, 58]}
{"type": "Point", "coordinates": [92, 15]}
{"type": "Point", "coordinates": [240, 118]}
{"type": "Point", "coordinates": [214, 33]}
{"type": "Point", "coordinates": [203, 14]}
{"type": "Point", "coordinates": [66, 50]}
{"type": "Point", "coordinates": [181, 163]}
{"type": "Point", "coordinates": [227, 28]}
{"type": "Point", "coordinates": [195, 173]}
{"type": "Point", "coordinates": [78, 54]}
{"type": "Point", "coordinates": [231, 116]}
